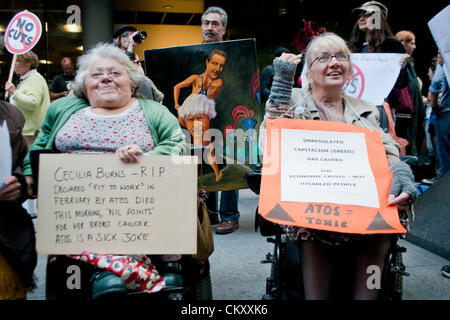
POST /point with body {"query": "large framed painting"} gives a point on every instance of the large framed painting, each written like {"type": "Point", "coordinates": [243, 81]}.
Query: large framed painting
{"type": "Point", "coordinates": [213, 91]}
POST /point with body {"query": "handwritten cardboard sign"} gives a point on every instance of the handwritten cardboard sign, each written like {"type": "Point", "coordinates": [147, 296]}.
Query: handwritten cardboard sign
{"type": "Point", "coordinates": [98, 203]}
{"type": "Point", "coordinates": [23, 32]}
{"type": "Point", "coordinates": [327, 176]}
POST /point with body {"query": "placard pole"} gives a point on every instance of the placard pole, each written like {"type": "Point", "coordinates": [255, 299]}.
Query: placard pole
{"type": "Point", "coordinates": [11, 72]}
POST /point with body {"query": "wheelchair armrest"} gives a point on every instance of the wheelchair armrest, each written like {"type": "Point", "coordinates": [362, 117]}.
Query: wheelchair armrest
{"type": "Point", "coordinates": [254, 181]}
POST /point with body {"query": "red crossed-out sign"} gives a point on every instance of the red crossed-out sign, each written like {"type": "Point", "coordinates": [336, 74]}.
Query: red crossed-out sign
{"type": "Point", "coordinates": [356, 84]}
{"type": "Point", "coordinates": [23, 32]}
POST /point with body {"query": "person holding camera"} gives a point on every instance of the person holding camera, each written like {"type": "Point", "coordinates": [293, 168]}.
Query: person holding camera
{"type": "Point", "coordinates": [128, 38]}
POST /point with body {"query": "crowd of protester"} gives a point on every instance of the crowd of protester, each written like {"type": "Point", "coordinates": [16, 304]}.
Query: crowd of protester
{"type": "Point", "coordinates": [39, 117]}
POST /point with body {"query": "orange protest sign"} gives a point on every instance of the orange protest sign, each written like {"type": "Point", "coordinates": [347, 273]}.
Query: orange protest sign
{"type": "Point", "coordinates": [327, 176]}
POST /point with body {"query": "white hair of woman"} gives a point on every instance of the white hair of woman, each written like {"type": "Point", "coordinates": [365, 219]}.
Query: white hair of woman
{"type": "Point", "coordinates": [99, 52]}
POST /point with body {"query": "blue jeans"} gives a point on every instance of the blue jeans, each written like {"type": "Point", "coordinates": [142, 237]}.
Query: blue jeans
{"type": "Point", "coordinates": [228, 205]}
{"type": "Point", "coordinates": [442, 127]}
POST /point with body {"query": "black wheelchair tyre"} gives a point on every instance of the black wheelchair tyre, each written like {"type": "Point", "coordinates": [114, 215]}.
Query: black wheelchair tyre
{"type": "Point", "coordinates": [201, 290]}
{"type": "Point", "coordinates": [196, 280]}
{"type": "Point", "coordinates": [286, 282]}
{"type": "Point", "coordinates": [398, 279]}
{"type": "Point", "coordinates": [275, 285]}
{"type": "Point", "coordinates": [392, 286]}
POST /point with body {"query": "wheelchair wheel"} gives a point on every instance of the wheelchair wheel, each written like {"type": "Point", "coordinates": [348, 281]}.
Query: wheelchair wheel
{"type": "Point", "coordinates": [397, 288]}
{"type": "Point", "coordinates": [285, 281]}
{"type": "Point", "coordinates": [201, 290]}
{"type": "Point", "coordinates": [393, 277]}
{"type": "Point", "coordinates": [197, 281]}
{"type": "Point", "coordinates": [274, 283]}
{"type": "Point", "coordinates": [276, 270]}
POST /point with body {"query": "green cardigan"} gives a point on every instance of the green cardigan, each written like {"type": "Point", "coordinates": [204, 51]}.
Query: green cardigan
{"type": "Point", "coordinates": [32, 99]}
{"type": "Point", "coordinates": [164, 127]}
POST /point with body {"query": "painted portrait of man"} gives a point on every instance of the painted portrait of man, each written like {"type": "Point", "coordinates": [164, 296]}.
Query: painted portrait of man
{"type": "Point", "coordinates": [212, 88]}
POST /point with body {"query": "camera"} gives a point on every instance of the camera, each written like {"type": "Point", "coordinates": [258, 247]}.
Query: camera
{"type": "Point", "coordinates": [140, 36]}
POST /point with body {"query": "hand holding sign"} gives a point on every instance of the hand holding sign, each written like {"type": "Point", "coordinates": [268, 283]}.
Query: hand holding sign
{"type": "Point", "coordinates": [9, 86]}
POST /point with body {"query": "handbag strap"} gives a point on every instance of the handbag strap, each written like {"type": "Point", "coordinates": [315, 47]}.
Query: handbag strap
{"type": "Point", "coordinates": [202, 189]}
{"type": "Point", "coordinates": [388, 112]}
{"type": "Point", "coordinates": [401, 141]}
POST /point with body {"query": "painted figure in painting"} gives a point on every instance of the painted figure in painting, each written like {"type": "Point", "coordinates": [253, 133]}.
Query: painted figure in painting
{"type": "Point", "coordinates": [199, 107]}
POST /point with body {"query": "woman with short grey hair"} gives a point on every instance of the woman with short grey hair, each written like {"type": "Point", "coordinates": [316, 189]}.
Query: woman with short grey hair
{"type": "Point", "coordinates": [106, 116]}
{"type": "Point", "coordinates": [100, 52]}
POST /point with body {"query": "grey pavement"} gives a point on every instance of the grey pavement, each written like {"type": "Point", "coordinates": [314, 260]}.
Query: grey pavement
{"type": "Point", "coordinates": [237, 273]}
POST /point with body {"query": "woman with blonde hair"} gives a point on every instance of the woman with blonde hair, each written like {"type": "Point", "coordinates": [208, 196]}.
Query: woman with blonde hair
{"type": "Point", "coordinates": [321, 252]}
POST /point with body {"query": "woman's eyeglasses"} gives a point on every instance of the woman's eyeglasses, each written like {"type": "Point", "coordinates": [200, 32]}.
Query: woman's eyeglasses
{"type": "Point", "coordinates": [326, 58]}
{"type": "Point", "coordinates": [100, 74]}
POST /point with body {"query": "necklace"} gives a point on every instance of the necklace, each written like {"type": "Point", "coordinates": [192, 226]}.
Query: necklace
{"type": "Point", "coordinates": [330, 111]}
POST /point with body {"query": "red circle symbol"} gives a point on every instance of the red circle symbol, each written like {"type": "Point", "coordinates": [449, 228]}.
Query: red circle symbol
{"type": "Point", "coordinates": [23, 32]}
{"type": "Point", "coordinates": [353, 82]}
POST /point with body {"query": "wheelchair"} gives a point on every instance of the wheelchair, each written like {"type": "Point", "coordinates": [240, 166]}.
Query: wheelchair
{"type": "Point", "coordinates": [285, 281]}
{"type": "Point", "coordinates": [192, 281]}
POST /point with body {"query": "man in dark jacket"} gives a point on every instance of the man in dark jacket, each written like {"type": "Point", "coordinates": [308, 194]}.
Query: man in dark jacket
{"type": "Point", "coordinates": [214, 26]}
{"type": "Point", "coordinates": [62, 83]}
